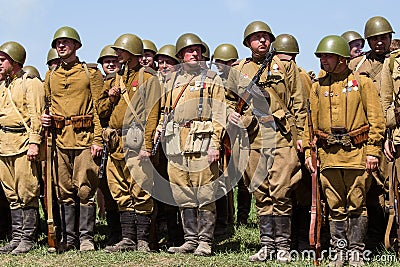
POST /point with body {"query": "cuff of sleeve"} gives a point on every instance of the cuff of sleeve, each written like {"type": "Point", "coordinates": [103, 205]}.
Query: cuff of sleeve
{"type": "Point", "coordinates": [98, 142]}
{"type": "Point", "coordinates": [374, 151]}
{"type": "Point", "coordinates": [307, 153]}
{"type": "Point", "coordinates": [35, 138]}
{"type": "Point", "coordinates": [215, 144]}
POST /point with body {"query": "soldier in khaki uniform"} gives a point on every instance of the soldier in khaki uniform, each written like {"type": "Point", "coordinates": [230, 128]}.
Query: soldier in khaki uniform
{"type": "Point", "coordinates": [378, 33]}
{"type": "Point", "coordinates": [355, 41]}
{"type": "Point", "coordinates": [195, 96]}
{"type": "Point", "coordinates": [348, 122]}
{"type": "Point", "coordinates": [72, 89]}
{"type": "Point", "coordinates": [5, 219]}
{"type": "Point", "coordinates": [270, 178]}
{"type": "Point", "coordinates": [224, 56]}
{"type": "Point", "coordinates": [107, 206]}
{"type": "Point", "coordinates": [21, 104]}
{"type": "Point", "coordinates": [149, 51]}
{"type": "Point", "coordinates": [129, 171]}
{"type": "Point", "coordinates": [390, 104]}
{"type": "Point", "coordinates": [52, 58]}
{"type": "Point", "coordinates": [167, 63]}
{"type": "Point", "coordinates": [287, 49]}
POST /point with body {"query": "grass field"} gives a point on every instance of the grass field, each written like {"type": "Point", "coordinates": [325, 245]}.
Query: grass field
{"type": "Point", "coordinates": [230, 252]}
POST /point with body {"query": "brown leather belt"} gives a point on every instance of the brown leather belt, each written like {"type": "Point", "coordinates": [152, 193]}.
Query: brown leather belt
{"type": "Point", "coordinates": [265, 119]}
{"type": "Point", "coordinates": [185, 124]}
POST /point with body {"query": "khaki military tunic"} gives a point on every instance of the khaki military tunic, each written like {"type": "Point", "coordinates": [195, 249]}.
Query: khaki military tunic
{"type": "Point", "coordinates": [192, 177]}
{"type": "Point", "coordinates": [345, 100]}
{"type": "Point", "coordinates": [130, 180]}
{"type": "Point", "coordinates": [73, 90]}
{"type": "Point", "coordinates": [19, 176]}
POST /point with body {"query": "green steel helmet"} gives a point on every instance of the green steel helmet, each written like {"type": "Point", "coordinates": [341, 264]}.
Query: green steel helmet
{"type": "Point", "coordinates": [333, 44]}
{"type": "Point", "coordinates": [66, 32]}
{"type": "Point", "coordinates": [351, 36]}
{"type": "Point", "coordinates": [286, 43]}
{"type": "Point", "coordinates": [186, 40]}
{"type": "Point", "coordinates": [15, 51]}
{"type": "Point", "coordinates": [51, 55]}
{"type": "Point", "coordinates": [32, 71]}
{"type": "Point", "coordinates": [226, 52]}
{"type": "Point", "coordinates": [376, 26]}
{"type": "Point", "coordinates": [149, 45]}
{"type": "Point", "coordinates": [129, 42]}
{"type": "Point", "coordinates": [257, 26]}
{"type": "Point", "coordinates": [107, 51]}
{"type": "Point", "coordinates": [206, 54]}
{"type": "Point", "coordinates": [167, 50]}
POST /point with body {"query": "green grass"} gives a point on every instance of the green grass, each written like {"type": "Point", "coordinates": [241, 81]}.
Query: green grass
{"type": "Point", "coordinates": [231, 252]}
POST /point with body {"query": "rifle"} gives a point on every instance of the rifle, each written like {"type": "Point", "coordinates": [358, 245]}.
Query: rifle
{"type": "Point", "coordinates": [394, 201]}
{"type": "Point", "coordinates": [245, 97]}
{"type": "Point", "coordinates": [48, 186]}
{"type": "Point", "coordinates": [103, 162]}
{"type": "Point", "coordinates": [160, 137]}
{"type": "Point", "coordinates": [316, 210]}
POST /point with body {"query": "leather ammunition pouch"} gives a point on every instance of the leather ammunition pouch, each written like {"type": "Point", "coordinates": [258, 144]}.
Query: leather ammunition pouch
{"type": "Point", "coordinates": [199, 137]}
{"type": "Point", "coordinates": [77, 122]}
{"type": "Point", "coordinates": [339, 135]}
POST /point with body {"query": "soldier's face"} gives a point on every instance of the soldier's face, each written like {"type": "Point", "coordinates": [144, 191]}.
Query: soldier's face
{"type": "Point", "coordinates": [123, 56]}
{"type": "Point", "coordinates": [147, 59]}
{"type": "Point", "coordinates": [165, 65]}
{"type": "Point", "coordinates": [223, 65]}
{"type": "Point", "coordinates": [110, 65]}
{"type": "Point", "coordinates": [356, 47]}
{"type": "Point", "coordinates": [329, 62]}
{"type": "Point", "coordinates": [259, 42]}
{"type": "Point", "coordinates": [191, 54]}
{"type": "Point", "coordinates": [66, 47]}
{"type": "Point", "coordinates": [6, 65]}
{"type": "Point", "coordinates": [380, 44]}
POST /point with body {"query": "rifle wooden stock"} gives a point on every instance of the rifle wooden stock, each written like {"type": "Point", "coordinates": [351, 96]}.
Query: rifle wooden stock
{"type": "Point", "coordinates": [48, 193]}
{"type": "Point", "coordinates": [316, 210]}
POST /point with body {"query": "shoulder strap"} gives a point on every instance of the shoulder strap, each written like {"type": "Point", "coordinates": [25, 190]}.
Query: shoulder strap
{"type": "Point", "coordinates": [15, 107]}
{"type": "Point", "coordinates": [360, 63]}
{"type": "Point", "coordinates": [120, 83]}
{"type": "Point", "coordinates": [202, 87]}
{"type": "Point", "coordinates": [391, 62]}
{"type": "Point", "coordinates": [86, 70]}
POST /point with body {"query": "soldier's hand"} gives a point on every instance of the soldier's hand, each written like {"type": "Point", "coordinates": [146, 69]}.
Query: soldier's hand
{"type": "Point", "coordinates": [213, 155]}
{"type": "Point", "coordinates": [388, 148]}
{"type": "Point", "coordinates": [300, 145]}
{"type": "Point", "coordinates": [46, 120]}
{"type": "Point", "coordinates": [234, 118]}
{"type": "Point", "coordinates": [33, 152]}
{"type": "Point", "coordinates": [144, 155]}
{"type": "Point", "coordinates": [309, 164]}
{"type": "Point", "coordinates": [114, 93]}
{"type": "Point", "coordinates": [96, 151]}
{"type": "Point", "coordinates": [371, 163]}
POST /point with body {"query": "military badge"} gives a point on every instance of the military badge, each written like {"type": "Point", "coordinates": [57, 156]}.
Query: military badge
{"type": "Point", "coordinates": [134, 85]}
